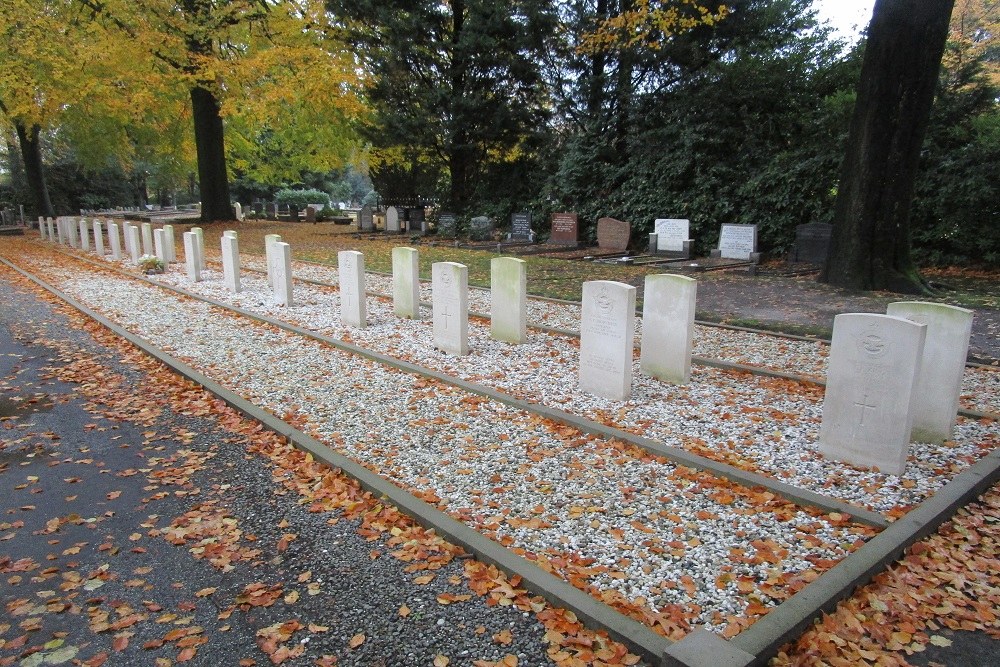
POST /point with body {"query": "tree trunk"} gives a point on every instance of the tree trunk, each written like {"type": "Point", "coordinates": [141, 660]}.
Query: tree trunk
{"type": "Point", "coordinates": [458, 148]}
{"type": "Point", "coordinates": [870, 246]}
{"type": "Point", "coordinates": [213, 181]}
{"type": "Point", "coordinates": [34, 170]}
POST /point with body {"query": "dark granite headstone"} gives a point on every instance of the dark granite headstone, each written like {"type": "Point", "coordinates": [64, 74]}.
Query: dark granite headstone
{"type": "Point", "coordinates": [520, 226]}
{"type": "Point", "coordinates": [310, 213]}
{"type": "Point", "coordinates": [415, 222]}
{"type": "Point", "coordinates": [565, 229]}
{"type": "Point", "coordinates": [446, 225]}
{"type": "Point", "coordinates": [366, 219]}
{"type": "Point", "coordinates": [812, 242]}
{"type": "Point", "coordinates": [481, 228]}
{"type": "Point", "coordinates": [272, 211]}
{"type": "Point", "coordinates": [613, 235]}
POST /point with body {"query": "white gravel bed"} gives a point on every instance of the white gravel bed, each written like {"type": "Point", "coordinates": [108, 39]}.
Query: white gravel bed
{"type": "Point", "coordinates": [980, 386]}
{"type": "Point", "coordinates": [755, 423]}
{"type": "Point", "coordinates": [660, 535]}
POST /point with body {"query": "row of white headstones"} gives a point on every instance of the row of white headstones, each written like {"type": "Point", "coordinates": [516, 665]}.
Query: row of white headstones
{"type": "Point", "coordinates": [892, 378]}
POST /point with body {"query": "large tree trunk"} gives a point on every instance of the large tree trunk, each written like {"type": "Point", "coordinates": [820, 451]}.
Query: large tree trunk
{"type": "Point", "coordinates": [870, 247]}
{"type": "Point", "coordinates": [34, 169]}
{"type": "Point", "coordinates": [213, 181]}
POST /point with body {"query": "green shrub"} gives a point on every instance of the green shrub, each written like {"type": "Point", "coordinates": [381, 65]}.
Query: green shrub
{"type": "Point", "coordinates": [301, 198]}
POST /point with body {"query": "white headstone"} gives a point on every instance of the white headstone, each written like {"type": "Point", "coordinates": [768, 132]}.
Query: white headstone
{"type": "Point", "coordinates": [72, 231]}
{"type": "Point", "coordinates": [671, 233]}
{"type": "Point", "coordinates": [607, 329]}
{"type": "Point", "coordinates": [200, 235]}
{"type": "Point", "coordinates": [450, 291]}
{"type": "Point", "coordinates": [147, 239]}
{"type": "Point", "coordinates": [351, 277]}
{"type": "Point", "coordinates": [231, 261]}
{"type": "Point", "coordinates": [867, 410]}
{"type": "Point", "coordinates": [61, 230]}
{"type": "Point", "coordinates": [132, 233]}
{"type": "Point", "coordinates": [238, 210]}
{"type": "Point", "coordinates": [84, 234]}
{"type": "Point", "coordinates": [269, 241]}
{"type": "Point", "coordinates": [160, 244]}
{"type": "Point", "coordinates": [508, 299]}
{"type": "Point", "coordinates": [51, 228]}
{"type": "Point", "coordinates": [126, 225]}
{"type": "Point", "coordinates": [283, 274]}
{"type": "Point", "coordinates": [406, 283]}
{"type": "Point", "coordinates": [668, 307]}
{"type": "Point", "coordinates": [98, 238]}
{"type": "Point", "coordinates": [115, 240]}
{"type": "Point", "coordinates": [738, 241]}
{"type": "Point", "coordinates": [191, 257]}
{"type": "Point", "coordinates": [168, 240]}
{"type": "Point", "coordinates": [939, 383]}
{"type": "Point", "coordinates": [392, 219]}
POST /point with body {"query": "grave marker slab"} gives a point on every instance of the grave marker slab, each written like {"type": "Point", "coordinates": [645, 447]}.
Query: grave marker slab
{"type": "Point", "coordinates": [939, 382]}
{"type": "Point", "coordinates": [238, 211]}
{"type": "Point", "coordinates": [738, 241]}
{"type": "Point", "coordinates": [310, 213]}
{"type": "Point", "coordinates": [393, 217]}
{"type": "Point", "coordinates": [446, 225]}
{"type": "Point", "coordinates": [133, 243]}
{"type": "Point", "coordinates": [84, 234]}
{"type": "Point", "coordinates": [72, 231]}
{"type": "Point", "coordinates": [481, 228]}
{"type": "Point", "coordinates": [147, 239]}
{"type": "Point", "coordinates": [366, 219]}
{"type": "Point", "coordinates": [283, 274]}
{"type": "Point", "coordinates": [116, 243]}
{"type": "Point", "coordinates": [867, 409]}
{"type": "Point", "coordinates": [520, 226]}
{"type": "Point", "coordinates": [200, 235]}
{"type": "Point", "coordinates": [269, 255]}
{"type": "Point", "coordinates": [406, 282]}
{"type": "Point", "coordinates": [416, 224]}
{"type": "Point", "coordinates": [191, 256]}
{"type": "Point", "coordinates": [671, 234]}
{"type": "Point", "coordinates": [607, 329]}
{"type": "Point", "coordinates": [51, 229]}
{"type": "Point", "coordinates": [231, 261]}
{"type": "Point", "coordinates": [812, 242]}
{"type": "Point", "coordinates": [613, 235]}
{"type": "Point", "coordinates": [98, 238]}
{"type": "Point", "coordinates": [450, 296]}
{"type": "Point", "coordinates": [668, 307]}
{"type": "Point", "coordinates": [160, 245]}
{"type": "Point", "coordinates": [168, 239]}
{"type": "Point", "coordinates": [565, 229]}
{"type": "Point", "coordinates": [508, 299]}
{"type": "Point", "coordinates": [353, 295]}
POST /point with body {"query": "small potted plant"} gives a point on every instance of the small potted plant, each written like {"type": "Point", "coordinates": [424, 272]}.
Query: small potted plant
{"type": "Point", "coordinates": [151, 264]}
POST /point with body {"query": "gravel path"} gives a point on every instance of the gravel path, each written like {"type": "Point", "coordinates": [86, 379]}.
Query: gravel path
{"type": "Point", "coordinates": [662, 537]}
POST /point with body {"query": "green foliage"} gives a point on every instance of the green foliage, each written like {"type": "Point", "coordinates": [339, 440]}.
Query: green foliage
{"type": "Point", "coordinates": [301, 198]}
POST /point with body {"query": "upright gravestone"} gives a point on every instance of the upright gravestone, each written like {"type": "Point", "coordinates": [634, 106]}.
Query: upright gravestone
{"type": "Point", "coordinates": [61, 230]}
{"type": "Point", "coordinates": [310, 213]}
{"type": "Point", "coordinates": [72, 231]}
{"type": "Point", "coordinates": [450, 290]}
{"type": "Point", "coordinates": [868, 406]}
{"type": "Point", "coordinates": [147, 239]}
{"type": "Point", "coordinates": [508, 299]}
{"type": "Point", "coordinates": [481, 228]}
{"type": "Point", "coordinates": [127, 237]}
{"type": "Point", "coordinates": [607, 330]}
{"type": "Point", "coordinates": [446, 225]}
{"type": "Point", "coordinates": [238, 211]}
{"type": "Point", "coordinates": [565, 229]}
{"type": "Point", "coordinates": [673, 235]}
{"type": "Point", "coordinates": [520, 226]}
{"type": "Point", "coordinates": [812, 242]}
{"type": "Point", "coordinates": [231, 261]}
{"type": "Point", "coordinates": [269, 255]}
{"type": "Point", "coordinates": [84, 234]}
{"type": "Point", "coordinates": [353, 296]}
{"type": "Point", "coordinates": [392, 219]}
{"type": "Point", "coordinates": [199, 234]}
{"type": "Point", "coordinates": [134, 244]}
{"type": "Point", "coordinates": [271, 211]}
{"type": "Point", "coordinates": [417, 223]}
{"type": "Point", "coordinates": [613, 235]}
{"type": "Point", "coordinates": [115, 241]}
{"type": "Point", "coordinates": [168, 239]}
{"type": "Point", "coordinates": [51, 228]}
{"type": "Point", "coordinates": [406, 283]}
{"type": "Point", "coordinates": [191, 257]}
{"type": "Point", "coordinates": [939, 383]}
{"type": "Point", "coordinates": [366, 219]}
{"type": "Point", "coordinates": [668, 306]}
{"type": "Point", "coordinates": [283, 274]}
{"type": "Point", "coordinates": [738, 242]}
{"type": "Point", "coordinates": [160, 245]}
{"type": "Point", "coordinates": [98, 238]}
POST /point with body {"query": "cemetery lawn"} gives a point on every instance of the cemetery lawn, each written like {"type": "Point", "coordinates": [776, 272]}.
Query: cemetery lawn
{"type": "Point", "coordinates": [795, 305]}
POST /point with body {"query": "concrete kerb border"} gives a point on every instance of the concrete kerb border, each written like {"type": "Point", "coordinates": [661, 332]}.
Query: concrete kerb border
{"type": "Point", "coordinates": [633, 634]}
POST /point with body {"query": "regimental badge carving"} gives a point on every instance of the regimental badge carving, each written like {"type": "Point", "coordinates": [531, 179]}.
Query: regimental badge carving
{"type": "Point", "coordinates": [872, 343]}
{"type": "Point", "coordinates": [604, 302]}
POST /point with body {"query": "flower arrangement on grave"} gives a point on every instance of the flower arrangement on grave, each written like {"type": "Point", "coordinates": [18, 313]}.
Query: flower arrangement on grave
{"type": "Point", "coordinates": [151, 264]}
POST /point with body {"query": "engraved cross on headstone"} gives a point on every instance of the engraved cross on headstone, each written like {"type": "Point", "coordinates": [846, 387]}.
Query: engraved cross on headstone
{"type": "Point", "coordinates": [864, 408]}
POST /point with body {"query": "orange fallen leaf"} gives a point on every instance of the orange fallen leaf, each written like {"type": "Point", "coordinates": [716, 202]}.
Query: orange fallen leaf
{"type": "Point", "coordinates": [441, 660]}
{"type": "Point", "coordinates": [357, 640]}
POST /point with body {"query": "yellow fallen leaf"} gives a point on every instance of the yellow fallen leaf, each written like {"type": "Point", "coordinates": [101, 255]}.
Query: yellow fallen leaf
{"type": "Point", "coordinates": [441, 660]}
{"type": "Point", "coordinates": [357, 640]}
{"type": "Point", "coordinates": [205, 592]}
{"type": "Point", "coordinates": [938, 640]}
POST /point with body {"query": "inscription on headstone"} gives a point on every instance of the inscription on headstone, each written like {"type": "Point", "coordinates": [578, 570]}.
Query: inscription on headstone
{"type": "Point", "coordinates": [446, 225]}
{"type": "Point", "coordinates": [738, 241]}
{"type": "Point", "coordinates": [607, 329]}
{"type": "Point", "coordinates": [613, 235]}
{"type": "Point", "coordinates": [450, 296]}
{"type": "Point", "coordinates": [671, 233]}
{"type": "Point", "coordinates": [565, 229]}
{"type": "Point", "coordinates": [481, 228]}
{"type": "Point", "coordinates": [366, 219]}
{"type": "Point", "coordinates": [520, 226]}
{"type": "Point", "coordinates": [812, 242]}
